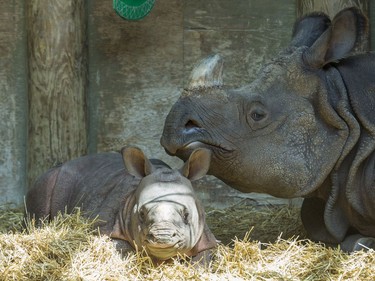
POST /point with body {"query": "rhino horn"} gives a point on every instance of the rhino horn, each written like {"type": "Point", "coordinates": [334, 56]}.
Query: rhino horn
{"type": "Point", "coordinates": [207, 73]}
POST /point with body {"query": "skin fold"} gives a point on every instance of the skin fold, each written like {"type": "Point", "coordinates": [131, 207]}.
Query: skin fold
{"type": "Point", "coordinates": [304, 128]}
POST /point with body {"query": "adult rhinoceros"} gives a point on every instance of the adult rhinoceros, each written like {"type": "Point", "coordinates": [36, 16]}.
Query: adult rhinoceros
{"type": "Point", "coordinates": [304, 128]}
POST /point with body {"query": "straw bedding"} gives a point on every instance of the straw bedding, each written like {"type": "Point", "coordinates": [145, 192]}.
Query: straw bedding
{"type": "Point", "coordinates": [257, 243]}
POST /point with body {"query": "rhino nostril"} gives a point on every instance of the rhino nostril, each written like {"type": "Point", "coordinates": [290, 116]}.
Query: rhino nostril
{"type": "Point", "coordinates": [191, 124]}
{"type": "Point", "coordinates": [150, 237]}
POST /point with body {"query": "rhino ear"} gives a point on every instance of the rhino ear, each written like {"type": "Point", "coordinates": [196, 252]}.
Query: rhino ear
{"type": "Point", "coordinates": [136, 162]}
{"type": "Point", "coordinates": [207, 73]}
{"type": "Point", "coordinates": [308, 28]}
{"type": "Point", "coordinates": [197, 165]}
{"type": "Point", "coordinates": [348, 30]}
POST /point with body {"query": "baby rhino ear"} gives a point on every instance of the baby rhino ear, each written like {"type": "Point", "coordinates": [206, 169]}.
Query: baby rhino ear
{"type": "Point", "coordinates": [136, 162]}
{"type": "Point", "coordinates": [348, 30]}
{"type": "Point", "coordinates": [197, 165]}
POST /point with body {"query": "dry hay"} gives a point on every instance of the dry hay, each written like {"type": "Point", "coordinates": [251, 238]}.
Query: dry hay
{"type": "Point", "coordinates": [270, 222]}
{"type": "Point", "coordinates": [70, 249]}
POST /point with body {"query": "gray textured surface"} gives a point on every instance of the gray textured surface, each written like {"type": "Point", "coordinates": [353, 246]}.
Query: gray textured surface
{"type": "Point", "coordinates": [135, 72]}
{"type": "Point", "coordinates": [245, 33]}
{"type": "Point", "coordinates": [13, 103]}
{"type": "Point", "coordinates": [372, 24]}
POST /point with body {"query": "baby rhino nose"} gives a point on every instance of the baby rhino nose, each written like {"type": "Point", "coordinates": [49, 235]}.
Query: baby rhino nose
{"type": "Point", "coordinates": [161, 235]}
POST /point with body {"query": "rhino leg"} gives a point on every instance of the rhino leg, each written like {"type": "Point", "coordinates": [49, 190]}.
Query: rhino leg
{"type": "Point", "coordinates": [357, 242]}
{"type": "Point", "coordinates": [38, 199]}
{"type": "Point", "coordinates": [203, 258]}
{"type": "Point", "coordinates": [122, 246]}
{"type": "Point", "coordinates": [312, 216]}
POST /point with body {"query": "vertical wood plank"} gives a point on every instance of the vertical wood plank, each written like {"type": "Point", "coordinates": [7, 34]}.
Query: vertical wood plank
{"type": "Point", "coordinates": [13, 103]}
{"type": "Point", "coordinates": [57, 83]}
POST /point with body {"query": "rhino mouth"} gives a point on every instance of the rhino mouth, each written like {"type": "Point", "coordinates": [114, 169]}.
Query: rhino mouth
{"type": "Point", "coordinates": [164, 251]}
{"type": "Point", "coordinates": [162, 246]}
{"type": "Point", "coordinates": [185, 151]}
{"type": "Point", "coordinates": [163, 238]}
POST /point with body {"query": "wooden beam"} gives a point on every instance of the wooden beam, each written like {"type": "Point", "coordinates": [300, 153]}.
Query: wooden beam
{"type": "Point", "coordinates": [56, 32]}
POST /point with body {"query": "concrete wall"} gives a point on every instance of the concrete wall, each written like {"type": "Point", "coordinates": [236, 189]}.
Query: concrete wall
{"type": "Point", "coordinates": [372, 24]}
{"type": "Point", "coordinates": [135, 70]}
{"type": "Point", "coordinates": [13, 103]}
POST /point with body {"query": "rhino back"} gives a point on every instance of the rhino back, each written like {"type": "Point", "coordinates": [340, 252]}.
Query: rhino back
{"type": "Point", "coordinates": [95, 183]}
{"type": "Point", "coordinates": [38, 199]}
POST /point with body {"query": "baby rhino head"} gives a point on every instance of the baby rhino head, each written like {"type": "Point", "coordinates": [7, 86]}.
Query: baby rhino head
{"type": "Point", "coordinates": [166, 218]}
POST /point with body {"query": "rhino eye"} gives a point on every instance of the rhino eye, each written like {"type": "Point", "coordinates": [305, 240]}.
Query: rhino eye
{"type": "Point", "coordinates": [257, 112]}
{"type": "Point", "coordinates": [142, 214]}
{"type": "Point", "coordinates": [185, 217]}
{"type": "Point", "coordinates": [257, 116]}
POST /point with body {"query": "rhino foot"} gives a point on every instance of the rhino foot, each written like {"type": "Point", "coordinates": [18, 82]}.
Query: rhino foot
{"type": "Point", "coordinates": [203, 258]}
{"type": "Point", "coordinates": [358, 242]}
{"type": "Point", "coordinates": [123, 247]}
{"type": "Point", "coordinates": [312, 216]}
{"type": "Point", "coordinates": [364, 243]}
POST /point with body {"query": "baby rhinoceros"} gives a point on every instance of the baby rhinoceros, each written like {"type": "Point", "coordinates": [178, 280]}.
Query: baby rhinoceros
{"type": "Point", "coordinates": [146, 204]}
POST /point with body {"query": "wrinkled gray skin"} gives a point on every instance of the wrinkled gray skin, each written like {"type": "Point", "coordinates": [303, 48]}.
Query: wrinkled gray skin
{"type": "Point", "coordinates": [145, 205]}
{"type": "Point", "coordinates": [304, 128]}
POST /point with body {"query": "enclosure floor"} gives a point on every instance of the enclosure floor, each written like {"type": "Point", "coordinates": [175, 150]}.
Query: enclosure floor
{"type": "Point", "coordinates": [257, 243]}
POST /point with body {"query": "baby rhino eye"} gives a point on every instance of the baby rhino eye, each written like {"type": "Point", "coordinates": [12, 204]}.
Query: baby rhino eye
{"type": "Point", "coordinates": [142, 214]}
{"type": "Point", "coordinates": [185, 216]}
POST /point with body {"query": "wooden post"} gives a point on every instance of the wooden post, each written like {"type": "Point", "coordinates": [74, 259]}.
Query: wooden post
{"type": "Point", "coordinates": [331, 8]}
{"type": "Point", "coordinates": [56, 32]}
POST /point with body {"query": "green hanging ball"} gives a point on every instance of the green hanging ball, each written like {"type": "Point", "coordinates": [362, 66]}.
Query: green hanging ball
{"type": "Point", "coordinates": [133, 9]}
